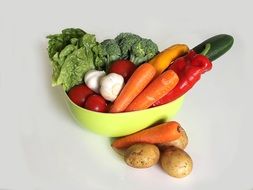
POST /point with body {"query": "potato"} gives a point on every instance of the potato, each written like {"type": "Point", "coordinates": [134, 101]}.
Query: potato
{"type": "Point", "coordinates": [181, 142]}
{"type": "Point", "coordinates": [176, 162]}
{"type": "Point", "coordinates": [142, 155]}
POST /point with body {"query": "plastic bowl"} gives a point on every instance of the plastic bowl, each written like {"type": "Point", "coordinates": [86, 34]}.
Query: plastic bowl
{"type": "Point", "coordinates": [121, 124]}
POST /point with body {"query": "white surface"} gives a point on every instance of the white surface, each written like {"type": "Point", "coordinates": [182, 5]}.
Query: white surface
{"type": "Point", "coordinates": [42, 148]}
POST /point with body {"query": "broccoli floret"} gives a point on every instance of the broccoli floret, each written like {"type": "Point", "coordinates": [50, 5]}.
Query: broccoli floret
{"type": "Point", "coordinates": [124, 35]}
{"type": "Point", "coordinates": [112, 51]}
{"type": "Point", "coordinates": [142, 51]}
{"type": "Point", "coordinates": [126, 41]}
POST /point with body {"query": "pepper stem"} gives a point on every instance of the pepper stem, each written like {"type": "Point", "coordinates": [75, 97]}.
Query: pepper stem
{"type": "Point", "coordinates": [207, 48]}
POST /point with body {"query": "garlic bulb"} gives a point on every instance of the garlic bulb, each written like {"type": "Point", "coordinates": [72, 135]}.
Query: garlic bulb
{"type": "Point", "coordinates": [92, 79]}
{"type": "Point", "coordinates": [111, 85]}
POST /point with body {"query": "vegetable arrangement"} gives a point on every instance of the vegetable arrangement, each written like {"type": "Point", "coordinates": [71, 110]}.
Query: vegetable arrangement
{"type": "Point", "coordinates": [129, 73]}
{"type": "Point", "coordinates": [77, 58]}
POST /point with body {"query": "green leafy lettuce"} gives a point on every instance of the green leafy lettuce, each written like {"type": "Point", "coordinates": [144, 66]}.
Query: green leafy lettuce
{"type": "Point", "coordinates": [72, 54]}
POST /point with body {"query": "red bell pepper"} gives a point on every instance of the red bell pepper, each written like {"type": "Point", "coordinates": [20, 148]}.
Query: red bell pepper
{"type": "Point", "coordinates": [189, 69]}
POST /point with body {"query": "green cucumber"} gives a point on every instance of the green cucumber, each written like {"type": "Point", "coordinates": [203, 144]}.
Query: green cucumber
{"type": "Point", "coordinates": [215, 46]}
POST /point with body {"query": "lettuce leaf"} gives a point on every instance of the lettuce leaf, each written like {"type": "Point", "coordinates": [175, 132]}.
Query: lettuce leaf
{"type": "Point", "coordinates": [57, 42]}
{"type": "Point", "coordinates": [58, 61]}
{"type": "Point", "coordinates": [75, 67]}
{"type": "Point", "coordinates": [72, 54]}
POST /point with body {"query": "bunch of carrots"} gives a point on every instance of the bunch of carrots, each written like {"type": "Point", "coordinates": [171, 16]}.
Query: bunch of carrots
{"type": "Point", "coordinates": [150, 82]}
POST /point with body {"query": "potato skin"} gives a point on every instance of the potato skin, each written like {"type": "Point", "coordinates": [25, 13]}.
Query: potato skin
{"type": "Point", "coordinates": [176, 162]}
{"type": "Point", "coordinates": [181, 142]}
{"type": "Point", "coordinates": [142, 155]}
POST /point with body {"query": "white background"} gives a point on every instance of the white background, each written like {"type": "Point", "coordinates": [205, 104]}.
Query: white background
{"type": "Point", "coordinates": [41, 146]}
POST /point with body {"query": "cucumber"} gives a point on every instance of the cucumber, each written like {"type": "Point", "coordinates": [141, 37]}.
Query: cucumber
{"type": "Point", "coordinates": [215, 46]}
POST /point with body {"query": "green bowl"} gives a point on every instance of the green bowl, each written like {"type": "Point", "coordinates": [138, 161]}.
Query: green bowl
{"type": "Point", "coordinates": [121, 124]}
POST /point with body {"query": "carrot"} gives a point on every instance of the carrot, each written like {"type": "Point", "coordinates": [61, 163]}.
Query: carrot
{"type": "Point", "coordinates": [137, 82]}
{"type": "Point", "coordinates": [158, 88]}
{"type": "Point", "coordinates": [164, 132]}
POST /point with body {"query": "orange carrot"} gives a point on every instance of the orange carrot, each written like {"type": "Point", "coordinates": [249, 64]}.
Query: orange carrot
{"type": "Point", "coordinates": [158, 88]}
{"type": "Point", "coordinates": [164, 132]}
{"type": "Point", "coordinates": [137, 82]}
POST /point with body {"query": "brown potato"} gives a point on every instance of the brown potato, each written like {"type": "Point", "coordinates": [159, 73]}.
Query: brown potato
{"type": "Point", "coordinates": [176, 162]}
{"type": "Point", "coordinates": [142, 155]}
{"type": "Point", "coordinates": [181, 142]}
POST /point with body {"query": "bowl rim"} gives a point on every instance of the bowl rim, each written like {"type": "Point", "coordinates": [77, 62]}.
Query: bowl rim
{"type": "Point", "coordinates": [121, 113]}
